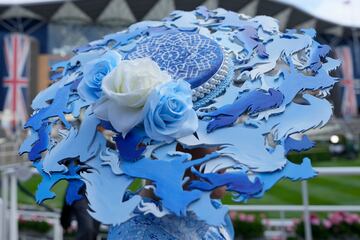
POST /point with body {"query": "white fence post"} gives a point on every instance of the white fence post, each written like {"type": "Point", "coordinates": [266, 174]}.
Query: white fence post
{"type": "Point", "coordinates": [14, 230]}
{"type": "Point", "coordinates": [307, 223]}
{"type": "Point", "coordinates": [1, 218]}
{"type": "Point", "coordinates": [5, 197]}
{"type": "Point", "coordinates": [58, 233]}
{"type": "Point", "coordinates": [282, 219]}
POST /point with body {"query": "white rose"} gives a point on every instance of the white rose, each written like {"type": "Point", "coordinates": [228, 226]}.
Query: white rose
{"type": "Point", "coordinates": [125, 91]}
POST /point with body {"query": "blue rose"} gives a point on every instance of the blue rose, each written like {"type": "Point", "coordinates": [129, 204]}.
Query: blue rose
{"type": "Point", "coordinates": [94, 71]}
{"type": "Point", "coordinates": [169, 112]}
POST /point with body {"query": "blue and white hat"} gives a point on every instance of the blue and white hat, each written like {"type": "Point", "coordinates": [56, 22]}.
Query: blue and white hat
{"type": "Point", "coordinates": [198, 79]}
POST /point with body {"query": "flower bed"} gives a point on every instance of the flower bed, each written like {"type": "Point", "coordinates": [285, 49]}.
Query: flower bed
{"type": "Point", "coordinates": [247, 226]}
{"type": "Point", "coordinates": [338, 225]}
{"type": "Point", "coordinates": [34, 228]}
{"type": "Point", "coordinates": [36, 224]}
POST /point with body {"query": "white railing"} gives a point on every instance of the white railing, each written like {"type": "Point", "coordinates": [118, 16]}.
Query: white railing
{"type": "Point", "coordinates": [305, 207]}
{"type": "Point", "coordinates": [293, 208]}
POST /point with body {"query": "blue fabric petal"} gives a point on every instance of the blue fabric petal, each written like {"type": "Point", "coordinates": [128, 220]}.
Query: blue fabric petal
{"type": "Point", "coordinates": [251, 102]}
{"type": "Point", "coordinates": [129, 148]}
{"type": "Point", "coordinates": [298, 145]}
{"type": "Point", "coordinates": [72, 192]}
{"type": "Point", "coordinates": [41, 144]}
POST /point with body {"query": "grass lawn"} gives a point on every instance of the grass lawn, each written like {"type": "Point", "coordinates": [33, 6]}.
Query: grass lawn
{"type": "Point", "coordinates": [323, 190]}
{"type": "Point", "coordinates": [337, 190]}
{"type": "Point", "coordinates": [31, 186]}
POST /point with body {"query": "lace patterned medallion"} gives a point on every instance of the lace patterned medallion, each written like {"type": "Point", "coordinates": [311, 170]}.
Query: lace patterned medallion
{"type": "Point", "coordinates": [189, 56]}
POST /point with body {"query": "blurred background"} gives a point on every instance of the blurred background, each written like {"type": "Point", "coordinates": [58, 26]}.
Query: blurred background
{"type": "Point", "coordinates": [34, 34]}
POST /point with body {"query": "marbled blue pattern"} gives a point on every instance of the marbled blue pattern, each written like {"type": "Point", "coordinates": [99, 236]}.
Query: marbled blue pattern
{"type": "Point", "coordinates": [169, 227]}
{"type": "Point", "coordinates": [188, 56]}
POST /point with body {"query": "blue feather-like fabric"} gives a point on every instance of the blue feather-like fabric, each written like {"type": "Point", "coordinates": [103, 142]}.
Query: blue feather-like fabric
{"type": "Point", "coordinates": [251, 123]}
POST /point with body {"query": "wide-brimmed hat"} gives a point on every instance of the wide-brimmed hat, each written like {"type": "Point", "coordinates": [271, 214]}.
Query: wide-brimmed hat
{"type": "Point", "coordinates": [195, 80]}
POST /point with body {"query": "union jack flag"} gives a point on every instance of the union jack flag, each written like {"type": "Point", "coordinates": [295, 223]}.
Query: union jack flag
{"type": "Point", "coordinates": [349, 105]}
{"type": "Point", "coordinates": [16, 51]}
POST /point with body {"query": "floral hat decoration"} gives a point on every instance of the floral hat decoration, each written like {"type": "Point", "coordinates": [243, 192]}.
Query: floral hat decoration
{"type": "Point", "coordinates": [198, 79]}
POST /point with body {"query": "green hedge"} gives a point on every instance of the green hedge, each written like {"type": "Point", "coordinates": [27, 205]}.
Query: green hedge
{"type": "Point", "coordinates": [314, 156]}
{"type": "Point", "coordinates": [40, 226]}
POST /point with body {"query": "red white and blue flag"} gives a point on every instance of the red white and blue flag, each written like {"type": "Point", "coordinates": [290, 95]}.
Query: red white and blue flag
{"type": "Point", "coordinates": [16, 55]}
{"type": "Point", "coordinates": [349, 105]}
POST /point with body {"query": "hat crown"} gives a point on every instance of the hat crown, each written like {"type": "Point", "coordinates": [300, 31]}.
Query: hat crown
{"type": "Point", "coordinates": [189, 56]}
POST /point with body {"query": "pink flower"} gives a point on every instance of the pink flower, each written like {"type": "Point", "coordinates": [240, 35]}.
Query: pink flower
{"type": "Point", "coordinates": [290, 228]}
{"type": "Point", "coordinates": [355, 218]}
{"type": "Point", "coordinates": [242, 217]}
{"type": "Point", "coordinates": [352, 218]}
{"type": "Point", "coordinates": [314, 219]}
{"type": "Point", "coordinates": [233, 215]}
{"type": "Point", "coordinates": [327, 224]}
{"type": "Point", "coordinates": [336, 218]}
{"type": "Point", "coordinates": [266, 222]}
{"type": "Point", "coordinates": [250, 218]}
